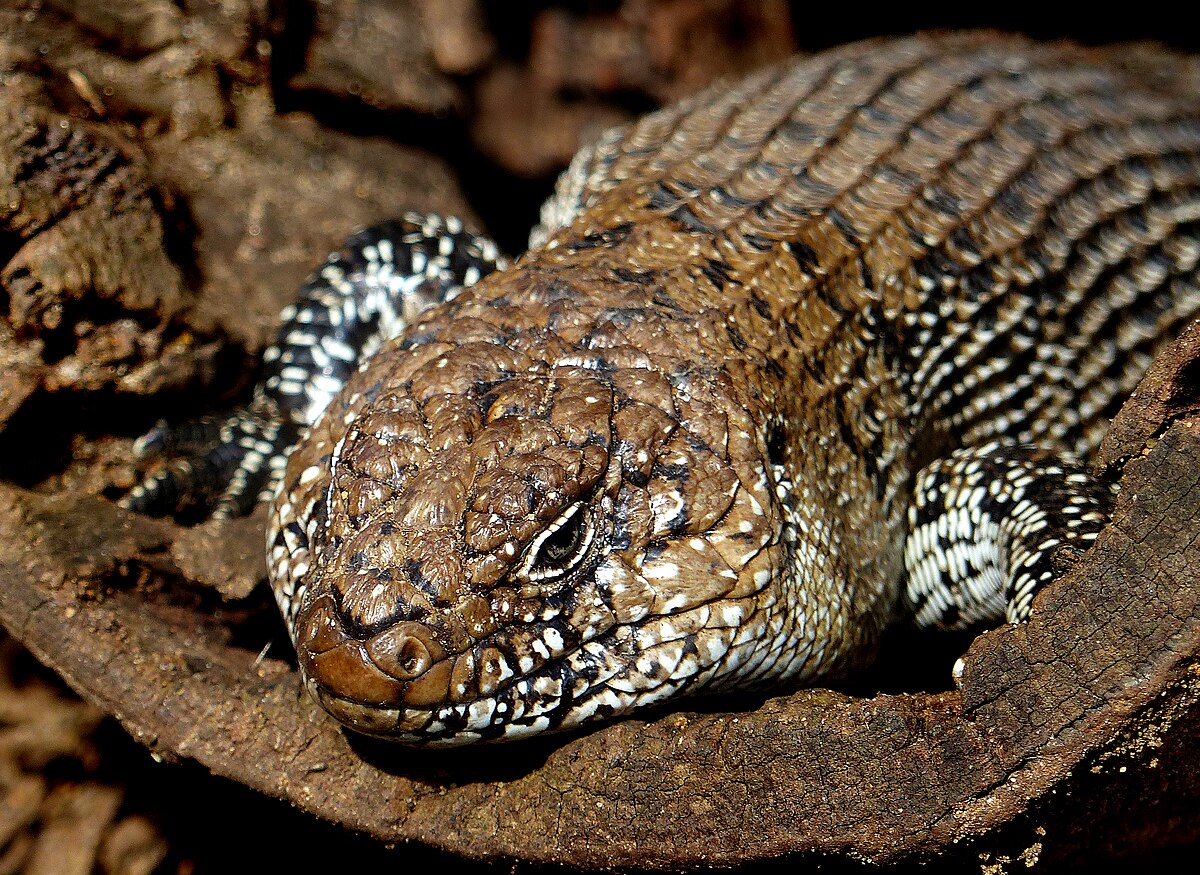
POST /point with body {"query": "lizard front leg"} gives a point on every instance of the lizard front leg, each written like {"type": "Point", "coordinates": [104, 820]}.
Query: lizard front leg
{"type": "Point", "coordinates": [985, 526]}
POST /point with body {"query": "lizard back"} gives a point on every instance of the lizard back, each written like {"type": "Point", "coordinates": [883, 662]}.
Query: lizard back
{"type": "Point", "coordinates": [1001, 206]}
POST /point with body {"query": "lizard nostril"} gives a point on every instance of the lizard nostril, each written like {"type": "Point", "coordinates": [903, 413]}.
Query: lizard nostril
{"type": "Point", "coordinates": [413, 657]}
{"type": "Point", "coordinates": [405, 651]}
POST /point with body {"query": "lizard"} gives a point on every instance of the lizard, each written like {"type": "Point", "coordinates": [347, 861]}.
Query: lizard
{"type": "Point", "coordinates": [788, 361]}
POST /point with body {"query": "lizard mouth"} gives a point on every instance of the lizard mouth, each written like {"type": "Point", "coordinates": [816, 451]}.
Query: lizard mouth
{"type": "Point", "coordinates": [403, 685]}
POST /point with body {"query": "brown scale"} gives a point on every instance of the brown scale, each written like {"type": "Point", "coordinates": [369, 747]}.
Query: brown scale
{"type": "Point", "coordinates": [766, 309]}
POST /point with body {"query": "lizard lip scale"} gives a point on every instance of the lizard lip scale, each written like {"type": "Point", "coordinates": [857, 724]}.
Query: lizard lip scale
{"type": "Point", "coordinates": [786, 362]}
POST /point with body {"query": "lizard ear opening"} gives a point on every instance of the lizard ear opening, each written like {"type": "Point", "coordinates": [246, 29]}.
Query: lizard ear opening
{"type": "Point", "coordinates": [561, 548]}
{"type": "Point", "coordinates": [776, 444]}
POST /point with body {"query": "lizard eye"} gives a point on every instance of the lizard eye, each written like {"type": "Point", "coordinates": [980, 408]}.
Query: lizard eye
{"type": "Point", "coordinates": [561, 548]}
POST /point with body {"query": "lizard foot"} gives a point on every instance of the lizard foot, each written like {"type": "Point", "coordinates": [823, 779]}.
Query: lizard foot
{"type": "Point", "coordinates": [990, 526]}
{"type": "Point", "coordinates": [228, 464]}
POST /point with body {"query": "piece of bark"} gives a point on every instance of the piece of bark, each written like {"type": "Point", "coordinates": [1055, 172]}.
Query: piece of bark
{"type": "Point", "coordinates": [1169, 391]}
{"type": "Point", "coordinates": [272, 198]}
{"type": "Point", "coordinates": [226, 555]}
{"type": "Point", "coordinates": [23, 369]}
{"type": "Point", "coordinates": [582, 69]}
{"type": "Point", "coordinates": [76, 818]}
{"type": "Point", "coordinates": [160, 66]}
{"type": "Point", "coordinates": [132, 847]}
{"type": "Point", "coordinates": [91, 293]}
{"type": "Point", "coordinates": [529, 129]}
{"type": "Point", "coordinates": [665, 49]}
{"type": "Point", "coordinates": [376, 51]}
{"type": "Point", "coordinates": [457, 37]}
{"type": "Point", "coordinates": [22, 798]}
{"type": "Point", "coordinates": [139, 26]}
{"type": "Point", "coordinates": [143, 254]}
{"type": "Point", "coordinates": [40, 727]}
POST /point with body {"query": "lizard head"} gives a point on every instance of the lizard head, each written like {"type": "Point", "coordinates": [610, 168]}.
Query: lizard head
{"type": "Point", "coordinates": [506, 541]}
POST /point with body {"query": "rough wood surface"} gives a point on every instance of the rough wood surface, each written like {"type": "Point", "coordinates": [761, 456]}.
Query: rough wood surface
{"type": "Point", "coordinates": [1073, 736]}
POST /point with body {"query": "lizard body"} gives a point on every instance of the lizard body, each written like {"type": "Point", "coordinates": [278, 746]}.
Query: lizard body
{"type": "Point", "coordinates": [786, 361]}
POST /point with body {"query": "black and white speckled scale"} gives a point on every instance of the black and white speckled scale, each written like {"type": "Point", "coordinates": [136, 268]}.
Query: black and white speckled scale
{"type": "Point", "coordinates": [919, 274]}
{"type": "Point", "coordinates": [986, 525]}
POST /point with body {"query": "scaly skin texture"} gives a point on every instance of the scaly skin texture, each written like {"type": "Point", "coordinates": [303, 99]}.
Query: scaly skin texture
{"type": "Point", "coordinates": [753, 318]}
